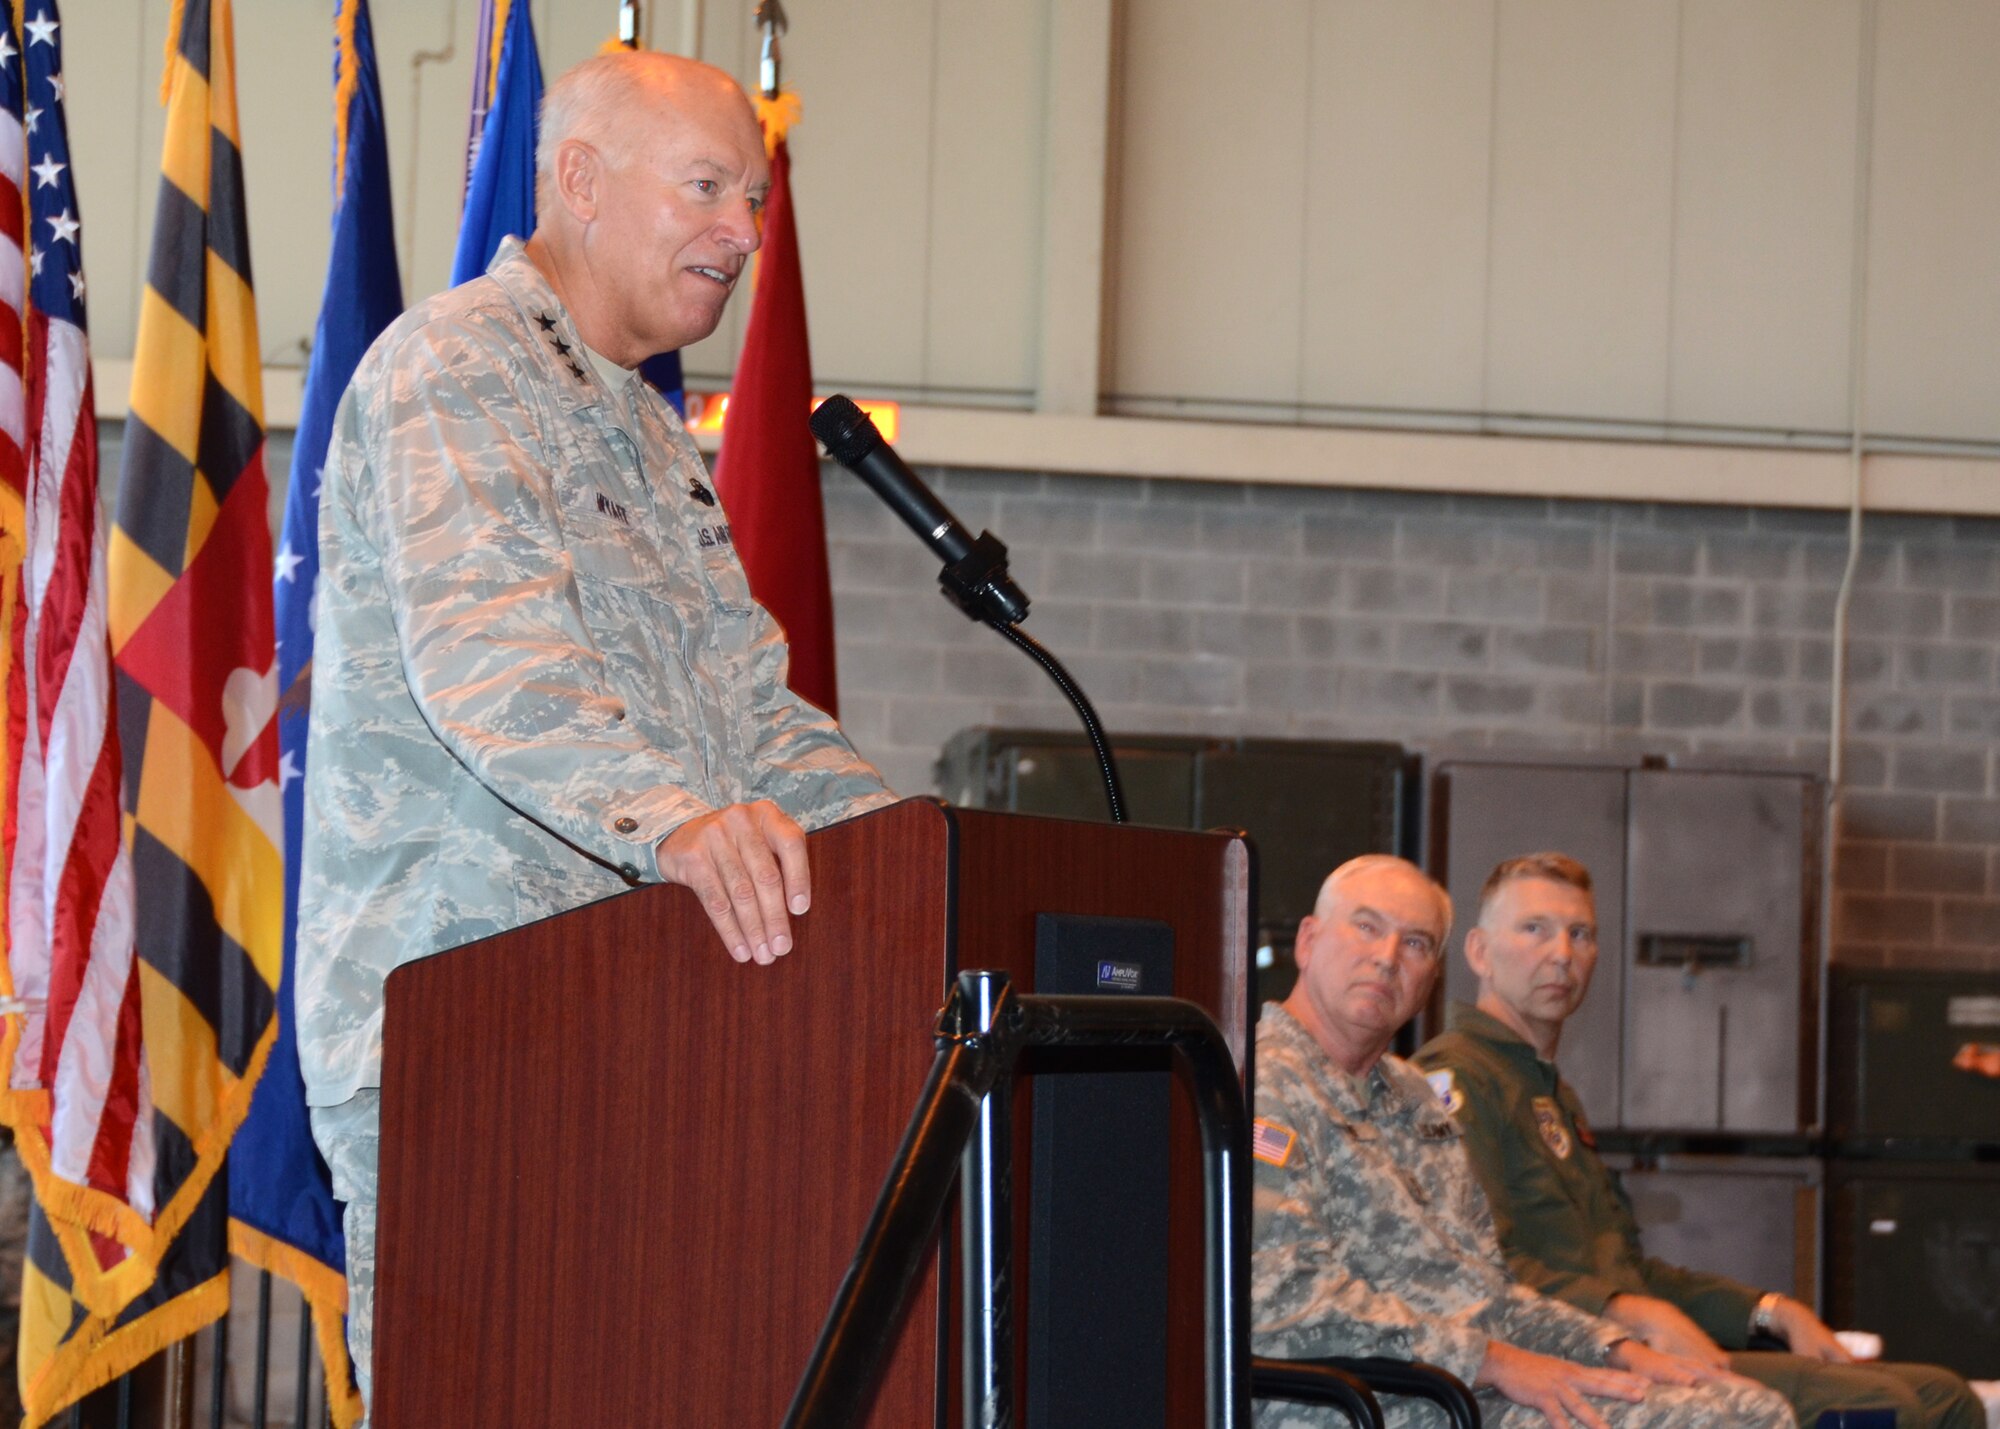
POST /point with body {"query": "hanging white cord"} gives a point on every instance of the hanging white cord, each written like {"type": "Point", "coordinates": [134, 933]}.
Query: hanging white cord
{"type": "Point", "coordinates": [1857, 393]}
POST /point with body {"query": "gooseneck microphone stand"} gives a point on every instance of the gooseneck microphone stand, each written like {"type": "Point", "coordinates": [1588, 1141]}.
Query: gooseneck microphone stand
{"type": "Point", "coordinates": [974, 577]}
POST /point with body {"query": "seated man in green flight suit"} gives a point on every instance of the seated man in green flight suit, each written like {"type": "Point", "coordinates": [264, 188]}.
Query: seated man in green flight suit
{"type": "Point", "coordinates": [1564, 1223]}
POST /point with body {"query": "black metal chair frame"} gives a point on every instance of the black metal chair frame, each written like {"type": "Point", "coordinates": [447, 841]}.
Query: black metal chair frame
{"type": "Point", "coordinates": [959, 1130]}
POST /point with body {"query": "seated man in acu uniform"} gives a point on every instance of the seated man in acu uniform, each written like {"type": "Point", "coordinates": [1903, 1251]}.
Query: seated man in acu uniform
{"type": "Point", "coordinates": [1563, 1222]}
{"type": "Point", "coordinates": [1370, 1235]}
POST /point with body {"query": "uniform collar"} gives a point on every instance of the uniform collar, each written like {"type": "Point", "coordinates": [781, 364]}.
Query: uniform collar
{"type": "Point", "coordinates": [1485, 1027]}
{"type": "Point", "coordinates": [1386, 1091]}
{"type": "Point", "coordinates": [558, 347]}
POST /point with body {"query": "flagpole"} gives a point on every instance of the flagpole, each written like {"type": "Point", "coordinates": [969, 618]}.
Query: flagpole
{"type": "Point", "coordinates": [771, 17]}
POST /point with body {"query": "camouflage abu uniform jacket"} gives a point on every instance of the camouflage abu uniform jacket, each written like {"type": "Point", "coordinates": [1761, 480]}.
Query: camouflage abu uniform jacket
{"type": "Point", "coordinates": [1370, 1235]}
{"type": "Point", "coordinates": [535, 656]}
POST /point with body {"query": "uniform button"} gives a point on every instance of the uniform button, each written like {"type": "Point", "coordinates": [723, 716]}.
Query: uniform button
{"type": "Point", "coordinates": [630, 870]}
{"type": "Point", "coordinates": [627, 826]}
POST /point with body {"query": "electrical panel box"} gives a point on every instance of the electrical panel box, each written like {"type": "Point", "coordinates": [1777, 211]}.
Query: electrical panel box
{"type": "Point", "coordinates": [1753, 1218]}
{"type": "Point", "coordinates": [1913, 1254]}
{"type": "Point", "coordinates": [1308, 805]}
{"type": "Point", "coordinates": [1701, 1014]}
{"type": "Point", "coordinates": [1914, 1057]}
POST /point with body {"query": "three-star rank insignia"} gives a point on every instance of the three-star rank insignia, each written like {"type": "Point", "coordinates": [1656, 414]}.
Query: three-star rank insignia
{"type": "Point", "coordinates": [548, 323]}
{"type": "Point", "coordinates": [1549, 1122]}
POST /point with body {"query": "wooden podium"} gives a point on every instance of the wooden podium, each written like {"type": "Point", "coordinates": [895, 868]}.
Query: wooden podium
{"type": "Point", "coordinates": [623, 1175]}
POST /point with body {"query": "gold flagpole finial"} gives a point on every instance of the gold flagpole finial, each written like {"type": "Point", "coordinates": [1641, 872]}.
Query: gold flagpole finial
{"type": "Point", "coordinates": [771, 18]}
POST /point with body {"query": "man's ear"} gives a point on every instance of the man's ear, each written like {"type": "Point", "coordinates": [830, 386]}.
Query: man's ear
{"type": "Point", "coordinates": [579, 172]}
{"type": "Point", "coordinates": [1302, 943]}
{"type": "Point", "coordinates": [1475, 952]}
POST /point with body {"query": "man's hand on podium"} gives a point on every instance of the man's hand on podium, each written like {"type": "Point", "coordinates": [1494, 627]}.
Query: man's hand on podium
{"type": "Point", "coordinates": [747, 864]}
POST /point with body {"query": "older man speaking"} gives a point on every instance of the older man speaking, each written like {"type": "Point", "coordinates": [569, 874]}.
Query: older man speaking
{"type": "Point", "coordinates": [540, 677]}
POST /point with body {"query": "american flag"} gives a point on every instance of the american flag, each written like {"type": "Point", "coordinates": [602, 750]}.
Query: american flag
{"type": "Point", "coordinates": [1271, 1142]}
{"type": "Point", "coordinates": [78, 1091]}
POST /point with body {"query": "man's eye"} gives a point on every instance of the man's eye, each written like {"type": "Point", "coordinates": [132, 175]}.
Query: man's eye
{"type": "Point", "coordinates": [707, 186]}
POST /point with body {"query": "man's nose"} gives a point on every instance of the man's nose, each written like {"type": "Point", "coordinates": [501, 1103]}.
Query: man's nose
{"type": "Point", "coordinates": [739, 228]}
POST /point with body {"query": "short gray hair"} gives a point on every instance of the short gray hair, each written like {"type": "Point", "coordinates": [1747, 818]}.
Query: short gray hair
{"type": "Point", "coordinates": [1368, 863]}
{"type": "Point", "coordinates": [574, 107]}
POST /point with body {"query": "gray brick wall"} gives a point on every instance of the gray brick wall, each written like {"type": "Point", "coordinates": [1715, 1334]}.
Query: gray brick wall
{"type": "Point", "coordinates": [1460, 623]}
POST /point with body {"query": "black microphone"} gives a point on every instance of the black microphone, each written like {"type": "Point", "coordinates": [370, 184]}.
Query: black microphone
{"type": "Point", "coordinates": [975, 570]}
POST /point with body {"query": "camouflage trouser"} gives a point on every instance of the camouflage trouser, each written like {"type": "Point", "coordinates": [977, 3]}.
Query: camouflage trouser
{"type": "Point", "coordinates": [1710, 1407]}
{"type": "Point", "coordinates": [349, 1137]}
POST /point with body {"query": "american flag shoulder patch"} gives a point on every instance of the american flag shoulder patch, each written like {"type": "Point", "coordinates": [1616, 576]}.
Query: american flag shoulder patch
{"type": "Point", "coordinates": [1271, 1142]}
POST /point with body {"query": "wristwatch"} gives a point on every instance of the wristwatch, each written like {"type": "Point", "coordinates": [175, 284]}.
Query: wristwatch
{"type": "Point", "coordinates": [1764, 1319]}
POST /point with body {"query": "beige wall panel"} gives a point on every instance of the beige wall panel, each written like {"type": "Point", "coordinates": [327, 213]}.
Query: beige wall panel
{"type": "Point", "coordinates": [1934, 248]}
{"type": "Point", "coordinates": [1211, 200]}
{"type": "Point", "coordinates": [721, 33]}
{"type": "Point", "coordinates": [284, 76]}
{"type": "Point", "coordinates": [862, 181]}
{"type": "Point", "coordinates": [1396, 204]}
{"type": "Point", "coordinates": [1582, 209]}
{"type": "Point", "coordinates": [111, 70]}
{"type": "Point", "coordinates": [1764, 213]}
{"type": "Point", "coordinates": [424, 53]}
{"type": "Point", "coordinates": [116, 126]}
{"type": "Point", "coordinates": [986, 207]}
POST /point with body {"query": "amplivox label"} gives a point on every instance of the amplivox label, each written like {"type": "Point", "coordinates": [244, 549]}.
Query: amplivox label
{"type": "Point", "coordinates": [1119, 977]}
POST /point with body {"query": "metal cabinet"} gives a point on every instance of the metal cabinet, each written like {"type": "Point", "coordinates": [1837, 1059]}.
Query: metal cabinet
{"type": "Point", "coordinates": [1910, 1058]}
{"type": "Point", "coordinates": [1914, 1255]}
{"type": "Point", "coordinates": [1754, 1218]}
{"type": "Point", "coordinates": [1701, 1015]}
{"type": "Point", "coordinates": [1308, 805]}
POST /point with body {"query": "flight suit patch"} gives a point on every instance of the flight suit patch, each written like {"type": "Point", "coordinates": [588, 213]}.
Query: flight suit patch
{"type": "Point", "coordinates": [1548, 1121]}
{"type": "Point", "coordinates": [1445, 1087]}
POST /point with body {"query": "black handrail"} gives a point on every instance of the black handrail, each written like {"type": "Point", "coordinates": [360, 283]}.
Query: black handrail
{"type": "Point", "coordinates": [977, 1053]}
{"type": "Point", "coordinates": [1415, 1379]}
{"type": "Point", "coordinates": [1305, 1382]}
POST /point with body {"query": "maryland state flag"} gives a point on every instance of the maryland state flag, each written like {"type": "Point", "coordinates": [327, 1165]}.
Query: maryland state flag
{"type": "Point", "coordinates": [282, 1212]}
{"type": "Point", "coordinates": [190, 629]}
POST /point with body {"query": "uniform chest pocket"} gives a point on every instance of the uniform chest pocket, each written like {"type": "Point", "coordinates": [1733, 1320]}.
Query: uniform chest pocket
{"type": "Point", "coordinates": [601, 548]}
{"type": "Point", "coordinates": [719, 564]}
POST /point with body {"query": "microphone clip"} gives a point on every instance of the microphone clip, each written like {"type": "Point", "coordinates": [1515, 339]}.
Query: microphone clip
{"type": "Point", "coordinates": [979, 585]}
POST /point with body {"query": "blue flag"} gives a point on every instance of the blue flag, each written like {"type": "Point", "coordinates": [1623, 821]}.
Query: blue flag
{"type": "Point", "coordinates": [500, 192]}
{"type": "Point", "coordinates": [500, 195]}
{"type": "Point", "coordinates": [282, 1210]}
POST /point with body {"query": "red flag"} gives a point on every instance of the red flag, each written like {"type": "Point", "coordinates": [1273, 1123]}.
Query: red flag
{"type": "Point", "coordinates": [768, 469]}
